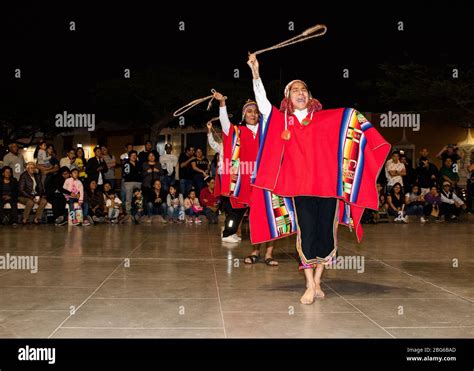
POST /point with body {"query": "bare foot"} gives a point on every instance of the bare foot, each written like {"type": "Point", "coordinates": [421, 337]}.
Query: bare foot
{"type": "Point", "coordinates": [318, 292]}
{"type": "Point", "coordinates": [308, 296]}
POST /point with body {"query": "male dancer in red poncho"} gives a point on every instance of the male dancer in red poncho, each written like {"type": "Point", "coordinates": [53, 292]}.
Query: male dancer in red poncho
{"type": "Point", "coordinates": [240, 148]}
{"type": "Point", "coordinates": [327, 161]}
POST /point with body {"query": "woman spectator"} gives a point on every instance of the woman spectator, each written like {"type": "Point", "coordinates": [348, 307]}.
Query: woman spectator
{"type": "Point", "coordinates": [95, 203]}
{"type": "Point", "coordinates": [415, 203]}
{"type": "Point", "coordinates": [192, 208]}
{"type": "Point", "coordinates": [9, 195]}
{"type": "Point", "coordinates": [131, 178]}
{"type": "Point", "coordinates": [175, 205]}
{"type": "Point", "coordinates": [111, 163]}
{"type": "Point", "coordinates": [396, 203]}
{"type": "Point", "coordinates": [80, 164]}
{"type": "Point", "coordinates": [201, 167]}
{"type": "Point", "coordinates": [433, 202]}
{"type": "Point", "coordinates": [151, 171]}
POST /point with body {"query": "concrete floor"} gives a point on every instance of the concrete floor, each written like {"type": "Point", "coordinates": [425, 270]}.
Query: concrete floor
{"type": "Point", "coordinates": [183, 282]}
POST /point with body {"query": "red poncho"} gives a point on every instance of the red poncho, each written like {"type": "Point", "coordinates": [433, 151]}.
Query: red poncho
{"type": "Point", "coordinates": [240, 152]}
{"type": "Point", "coordinates": [338, 154]}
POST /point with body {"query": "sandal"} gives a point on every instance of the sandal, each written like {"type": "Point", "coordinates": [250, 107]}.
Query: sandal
{"type": "Point", "coordinates": [253, 259]}
{"type": "Point", "coordinates": [271, 262]}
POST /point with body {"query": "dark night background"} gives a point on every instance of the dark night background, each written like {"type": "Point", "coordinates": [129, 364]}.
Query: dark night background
{"type": "Point", "coordinates": [82, 71]}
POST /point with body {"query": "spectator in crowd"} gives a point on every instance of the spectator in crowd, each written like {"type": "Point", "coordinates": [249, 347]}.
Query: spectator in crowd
{"type": "Point", "coordinates": [124, 156]}
{"type": "Point", "coordinates": [55, 195]}
{"type": "Point", "coordinates": [427, 175]}
{"type": "Point", "coordinates": [143, 156]}
{"type": "Point", "coordinates": [192, 208]}
{"type": "Point", "coordinates": [396, 203]}
{"type": "Point", "coordinates": [31, 193]}
{"type": "Point", "coordinates": [111, 163]}
{"type": "Point", "coordinates": [215, 165]}
{"type": "Point", "coordinates": [138, 203]}
{"type": "Point", "coordinates": [9, 195]}
{"type": "Point", "coordinates": [409, 177]}
{"type": "Point", "coordinates": [15, 160]}
{"type": "Point", "coordinates": [433, 201]}
{"type": "Point", "coordinates": [73, 190]}
{"type": "Point", "coordinates": [470, 193]}
{"type": "Point", "coordinates": [185, 170]}
{"type": "Point", "coordinates": [451, 204]}
{"type": "Point", "coordinates": [151, 171]}
{"type": "Point", "coordinates": [81, 162]}
{"type": "Point", "coordinates": [415, 202]}
{"type": "Point", "coordinates": [96, 168]}
{"type": "Point", "coordinates": [95, 203]}
{"type": "Point", "coordinates": [394, 171]}
{"type": "Point", "coordinates": [201, 168]}
{"type": "Point", "coordinates": [168, 163]}
{"type": "Point", "coordinates": [209, 202]}
{"type": "Point", "coordinates": [131, 178]}
{"type": "Point", "coordinates": [175, 205]}
{"type": "Point", "coordinates": [107, 189]}
{"type": "Point", "coordinates": [42, 158]}
{"type": "Point", "coordinates": [156, 199]}
{"type": "Point", "coordinates": [447, 173]}
{"type": "Point", "coordinates": [380, 215]}
{"type": "Point", "coordinates": [53, 170]}
{"type": "Point", "coordinates": [113, 205]}
{"type": "Point", "coordinates": [450, 151]}
{"type": "Point", "coordinates": [423, 153]}
{"type": "Point", "coordinates": [69, 160]}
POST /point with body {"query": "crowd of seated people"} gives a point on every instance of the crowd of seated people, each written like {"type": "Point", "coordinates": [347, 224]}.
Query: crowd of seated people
{"type": "Point", "coordinates": [147, 190]}
{"type": "Point", "coordinates": [425, 192]}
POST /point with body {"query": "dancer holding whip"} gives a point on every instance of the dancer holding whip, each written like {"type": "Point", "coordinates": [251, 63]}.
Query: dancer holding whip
{"type": "Point", "coordinates": [326, 161]}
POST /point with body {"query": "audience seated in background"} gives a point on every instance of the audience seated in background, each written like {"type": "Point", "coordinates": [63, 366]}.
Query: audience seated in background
{"type": "Point", "coordinates": [156, 200]}
{"type": "Point", "coordinates": [175, 205]}
{"type": "Point", "coordinates": [396, 204]}
{"type": "Point", "coordinates": [192, 208]}
{"type": "Point", "coordinates": [209, 202]}
{"type": "Point", "coordinates": [451, 204]}
{"type": "Point", "coordinates": [8, 195]}
{"type": "Point", "coordinates": [95, 203]}
{"type": "Point", "coordinates": [31, 193]}
{"type": "Point", "coordinates": [415, 203]}
{"type": "Point", "coordinates": [55, 195]}
{"type": "Point", "coordinates": [137, 205]}
{"type": "Point", "coordinates": [73, 190]}
{"type": "Point", "coordinates": [433, 202]}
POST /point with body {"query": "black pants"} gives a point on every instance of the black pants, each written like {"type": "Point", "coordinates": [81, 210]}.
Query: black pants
{"type": "Point", "coordinates": [449, 210]}
{"type": "Point", "coordinates": [316, 223]}
{"type": "Point", "coordinates": [232, 221]}
{"type": "Point", "coordinates": [58, 204]}
{"type": "Point", "coordinates": [13, 210]}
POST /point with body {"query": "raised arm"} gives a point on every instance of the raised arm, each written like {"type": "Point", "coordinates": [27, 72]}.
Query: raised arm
{"type": "Point", "coordinates": [264, 105]}
{"type": "Point", "coordinates": [223, 116]}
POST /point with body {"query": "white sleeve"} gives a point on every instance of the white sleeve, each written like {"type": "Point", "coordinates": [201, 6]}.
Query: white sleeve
{"type": "Point", "coordinates": [457, 199]}
{"type": "Point", "coordinates": [446, 200]}
{"type": "Point", "coordinates": [264, 105]}
{"type": "Point", "coordinates": [224, 119]}
{"type": "Point", "coordinates": [212, 142]}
